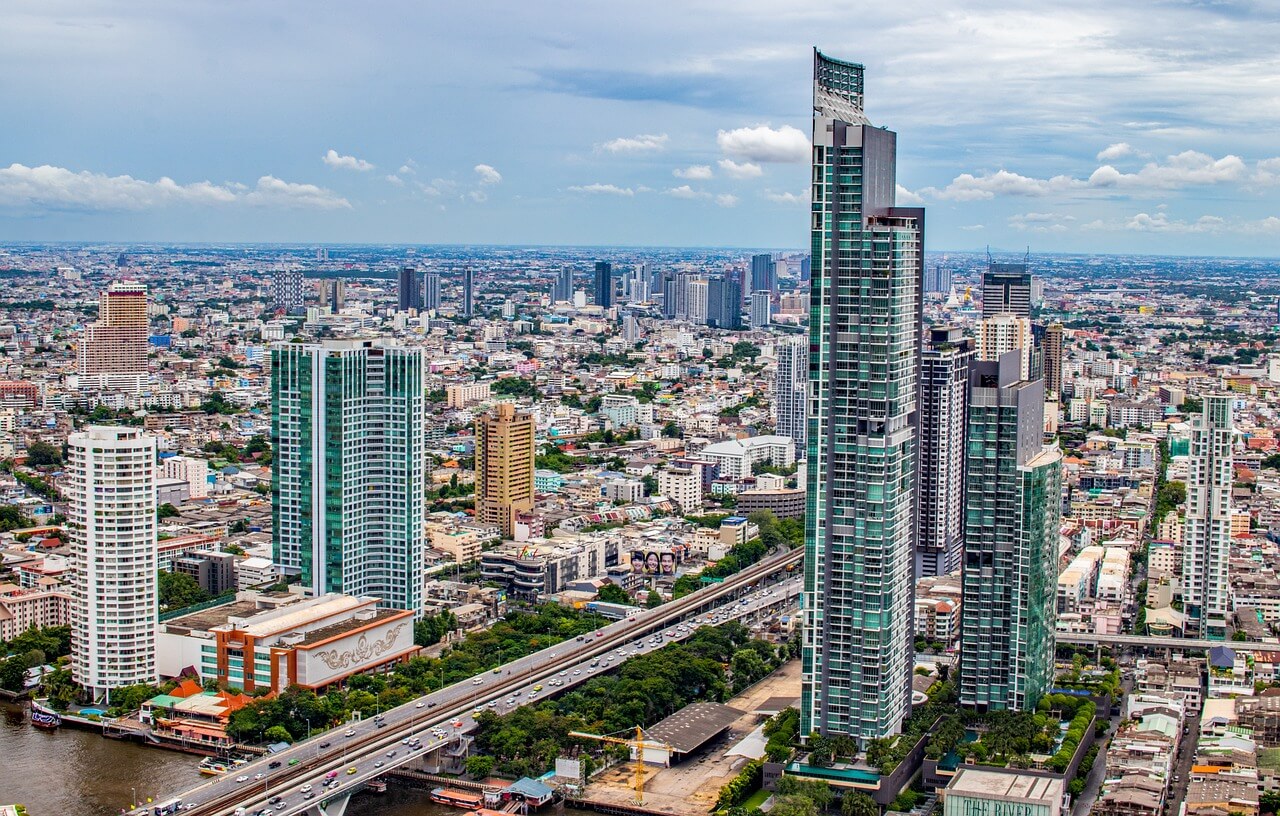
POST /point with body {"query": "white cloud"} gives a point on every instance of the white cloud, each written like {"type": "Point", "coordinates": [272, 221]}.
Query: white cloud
{"type": "Point", "coordinates": [968, 187]}
{"type": "Point", "coordinates": [745, 170]}
{"type": "Point", "coordinates": [1040, 222]}
{"type": "Point", "coordinates": [642, 143]}
{"type": "Point", "coordinates": [478, 196]}
{"type": "Point", "coordinates": [685, 191]}
{"type": "Point", "coordinates": [1181, 170]}
{"type": "Point", "coordinates": [57, 188]}
{"type": "Point", "coordinates": [906, 198]}
{"type": "Point", "coordinates": [409, 168]}
{"type": "Point", "coordinates": [765, 144]}
{"type": "Point", "coordinates": [274, 192]}
{"type": "Point", "coordinates": [787, 198]}
{"type": "Point", "coordinates": [1267, 172]}
{"type": "Point", "coordinates": [487, 174]}
{"type": "Point", "coordinates": [334, 159]}
{"type": "Point", "coordinates": [603, 189]}
{"type": "Point", "coordinates": [697, 172]}
{"type": "Point", "coordinates": [1116, 151]}
{"type": "Point", "coordinates": [727, 200]}
{"type": "Point", "coordinates": [438, 187]}
{"type": "Point", "coordinates": [396, 180]}
{"type": "Point", "coordinates": [1160, 222]}
{"type": "Point", "coordinates": [973, 227]}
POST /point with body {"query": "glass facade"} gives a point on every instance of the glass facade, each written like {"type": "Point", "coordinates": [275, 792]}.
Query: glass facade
{"type": "Point", "coordinates": [863, 361]}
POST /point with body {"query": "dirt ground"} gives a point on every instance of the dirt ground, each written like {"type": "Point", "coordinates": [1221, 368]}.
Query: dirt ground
{"type": "Point", "coordinates": [693, 785]}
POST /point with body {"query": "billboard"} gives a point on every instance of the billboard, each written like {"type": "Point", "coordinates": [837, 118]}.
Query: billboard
{"type": "Point", "coordinates": [656, 562]}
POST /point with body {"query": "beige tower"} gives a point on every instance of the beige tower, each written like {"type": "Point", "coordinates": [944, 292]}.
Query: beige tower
{"type": "Point", "coordinates": [117, 343]}
{"type": "Point", "coordinates": [504, 467]}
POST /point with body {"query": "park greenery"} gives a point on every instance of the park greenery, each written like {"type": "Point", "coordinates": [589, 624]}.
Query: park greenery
{"type": "Point", "coordinates": [34, 647]}
{"type": "Point", "coordinates": [179, 590]}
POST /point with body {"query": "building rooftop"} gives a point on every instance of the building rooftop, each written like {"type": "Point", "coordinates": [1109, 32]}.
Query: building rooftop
{"type": "Point", "coordinates": [1006, 785]}
{"type": "Point", "coordinates": [690, 727]}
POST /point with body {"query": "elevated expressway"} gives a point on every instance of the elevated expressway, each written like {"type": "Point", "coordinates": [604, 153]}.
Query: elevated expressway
{"type": "Point", "coordinates": [760, 587]}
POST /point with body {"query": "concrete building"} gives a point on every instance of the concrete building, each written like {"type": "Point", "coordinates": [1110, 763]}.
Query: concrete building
{"type": "Point", "coordinates": [22, 609]}
{"type": "Point", "coordinates": [113, 350]}
{"type": "Point", "coordinates": [287, 293]}
{"type": "Point", "coordinates": [782, 502]}
{"type": "Point", "coordinates": [1006, 289]}
{"type": "Point", "coordinates": [348, 473]}
{"type": "Point", "coordinates": [408, 290]}
{"type": "Point", "coordinates": [193, 471]}
{"type": "Point", "coordinates": [111, 513]}
{"type": "Point", "coordinates": [736, 458]}
{"type": "Point", "coordinates": [604, 285]}
{"type": "Point", "coordinates": [468, 292]}
{"type": "Point", "coordinates": [761, 309]}
{"type": "Point", "coordinates": [1206, 549]}
{"type": "Point", "coordinates": [563, 291]}
{"type": "Point", "coordinates": [1053, 360]}
{"type": "Point", "coordinates": [465, 395]}
{"type": "Point", "coordinates": [683, 486]}
{"type": "Point", "coordinates": [504, 467]}
{"type": "Point", "coordinates": [1002, 333]}
{"type": "Point", "coordinates": [791, 392]}
{"type": "Point", "coordinates": [975, 791]}
{"type": "Point", "coordinates": [859, 593]}
{"type": "Point", "coordinates": [944, 400]}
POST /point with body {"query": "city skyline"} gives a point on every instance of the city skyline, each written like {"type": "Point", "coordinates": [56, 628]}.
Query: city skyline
{"type": "Point", "coordinates": [693, 144]}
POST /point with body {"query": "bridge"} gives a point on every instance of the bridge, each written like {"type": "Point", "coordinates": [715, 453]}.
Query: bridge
{"type": "Point", "coordinates": [359, 752]}
{"type": "Point", "coordinates": [1151, 641]}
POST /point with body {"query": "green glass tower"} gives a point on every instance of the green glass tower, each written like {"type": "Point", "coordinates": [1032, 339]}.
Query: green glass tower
{"type": "Point", "coordinates": [1013, 509]}
{"type": "Point", "coordinates": [347, 477]}
{"type": "Point", "coordinates": [864, 346]}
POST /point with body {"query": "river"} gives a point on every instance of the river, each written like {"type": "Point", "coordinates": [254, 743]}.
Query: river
{"type": "Point", "coordinates": [73, 771]}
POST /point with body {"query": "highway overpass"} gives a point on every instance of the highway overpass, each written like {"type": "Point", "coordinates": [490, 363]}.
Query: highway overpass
{"type": "Point", "coordinates": [1150, 642]}
{"type": "Point", "coordinates": [451, 710]}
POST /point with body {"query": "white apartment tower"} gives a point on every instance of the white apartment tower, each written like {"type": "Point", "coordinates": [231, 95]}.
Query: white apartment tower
{"type": "Point", "coordinates": [791, 392]}
{"type": "Point", "coordinates": [1006, 332]}
{"type": "Point", "coordinates": [111, 496]}
{"type": "Point", "coordinates": [1206, 546]}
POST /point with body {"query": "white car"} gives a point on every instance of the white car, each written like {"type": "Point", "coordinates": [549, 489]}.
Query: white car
{"type": "Point", "coordinates": [577, 672]}
{"type": "Point", "coordinates": [306, 788]}
{"type": "Point", "coordinates": [477, 681]}
{"type": "Point", "coordinates": [351, 732]}
{"type": "Point", "coordinates": [419, 705]}
{"type": "Point", "coordinates": [242, 778]}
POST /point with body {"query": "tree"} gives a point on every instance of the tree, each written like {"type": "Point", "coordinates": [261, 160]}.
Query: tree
{"type": "Point", "coordinates": [612, 593]}
{"type": "Point", "coordinates": [857, 803]}
{"type": "Point", "coordinates": [43, 454]}
{"type": "Point", "coordinates": [179, 590]}
{"type": "Point", "coordinates": [277, 733]}
{"type": "Point", "coordinates": [166, 510]}
{"type": "Point", "coordinates": [13, 673]}
{"type": "Point", "coordinates": [12, 518]}
{"type": "Point", "coordinates": [654, 600]}
{"type": "Point", "coordinates": [479, 766]}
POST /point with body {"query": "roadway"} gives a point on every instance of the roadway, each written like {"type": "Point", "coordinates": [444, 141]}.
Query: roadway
{"type": "Point", "coordinates": [1150, 641]}
{"type": "Point", "coordinates": [362, 744]}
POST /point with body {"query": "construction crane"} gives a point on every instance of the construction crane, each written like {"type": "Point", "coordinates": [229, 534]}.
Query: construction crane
{"type": "Point", "coordinates": [639, 744]}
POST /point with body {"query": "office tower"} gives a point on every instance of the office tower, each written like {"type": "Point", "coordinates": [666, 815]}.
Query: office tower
{"type": "Point", "coordinates": [286, 290]}
{"type": "Point", "coordinates": [806, 268]}
{"type": "Point", "coordinates": [468, 292]}
{"type": "Point", "coordinates": [761, 309]}
{"type": "Point", "coordinates": [631, 328]}
{"type": "Point", "coordinates": [332, 293]}
{"type": "Point", "coordinates": [1052, 360]}
{"type": "Point", "coordinates": [117, 343]}
{"type": "Point", "coordinates": [564, 286]}
{"type": "Point", "coordinates": [1206, 547]}
{"type": "Point", "coordinates": [604, 284]}
{"type": "Point", "coordinates": [408, 290]}
{"type": "Point", "coordinates": [1006, 332]}
{"type": "Point", "coordinates": [944, 390]}
{"type": "Point", "coordinates": [697, 294]}
{"type": "Point", "coordinates": [111, 501]}
{"type": "Point", "coordinates": [724, 304]}
{"type": "Point", "coordinates": [791, 392]}
{"type": "Point", "coordinates": [431, 292]}
{"type": "Point", "coordinates": [1013, 508]}
{"type": "Point", "coordinates": [763, 274]}
{"type": "Point", "coordinates": [937, 279]}
{"type": "Point", "coordinates": [1006, 289]}
{"type": "Point", "coordinates": [347, 477]}
{"type": "Point", "coordinates": [504, 467]}
{"type": "Point", "coordinates": [669, 297]}
{"type": "Point", "coordinates": [864, 339]}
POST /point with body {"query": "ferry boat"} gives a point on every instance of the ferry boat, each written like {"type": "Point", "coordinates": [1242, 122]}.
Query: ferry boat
{"type": "Point", "coordinates": [457, 798]}
{"type": "Point", "coordinates": [43, 716]}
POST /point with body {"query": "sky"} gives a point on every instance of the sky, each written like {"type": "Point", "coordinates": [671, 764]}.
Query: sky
{"type": "Point", "coordinates": [1118, 126]}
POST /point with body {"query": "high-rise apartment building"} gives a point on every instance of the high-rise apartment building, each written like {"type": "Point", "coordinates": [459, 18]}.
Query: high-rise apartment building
{"type": "Point", "coordinates": [332, 293]}
{"type": "Point", "coordinates": [1206, 536]}
{"type": "Point", "coordinates": [944, 401]}
{"type": "Point", "coordinates": [864, 330]}
{"type": "Point", "coordinates": [408, 290]}
{"type": "Point", "coordinates": [564, 286]}
{"type": "Point", "coordinates": [347, 475]}
{"type": "Point", "coordinates": [763, 274]}
{"type": "Point", "coordinates": [1006, 332]}
{"type": "Point", "coordinates": [116, 344]}
{"type": "Point", "coordinates": [431, 292]}
{"type": "Point", "coordinates": [504, 467]}
{"type": "Point", "coordinates": [287, 293]}
{"type": "Point", "coordinates": [761, 309]}
{"type": "Point", "coordinates": [724, 303]}
{"type": "Point", "coordinates": [1013, 509]}
{"type": "Point", "coordinates": [111, 501]}
{"type": "Point", "coordinates": [697, 300]}
{"type": "Point", "coordinates": [604, 284]}
{"type": "Point", "coordinates": [468, 292]}
{"type": "Point", "coordinates": [791, 392]}
{"type": "Point", "coordinates": [1006, 289]}
{"type": "Point", "coordinates": [1052, 361]}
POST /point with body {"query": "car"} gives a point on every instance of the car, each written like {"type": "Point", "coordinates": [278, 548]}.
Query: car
{"type": "Point", "coordinates": [577, 672]}
{"type": "Point", "coordinates": [309, 795]}
{"type": "Point", "coordinates": [599, 634]}
{"type": "Point", "coordinates": [294, 761]}
{"type": "Point", "coordinates": [242, 778]}
{"type": "Point", "coordinates": [456, 723]}
{"type": "Point", "coordinates": [562, 674]}
{"type": "Point", "coordinates": [259, 776]}
{"type": "Point", "coordinates": [350, 732]}
{"type": "Point", "coordinates": [324, 745]}
{"type": "Point", "coordinates": [380, 723]}
{"type": "Point", "coordinates": [378, 764]}
{"type": "Point", "coordinates": [239, 812]}
{"type": "Point", "coordinates": [404, 741]}
{"type": "Point", "coordinates": [306, 788]}
{"type": "Point", "coordinates": [274, 764]}
{"type": "Point", "coordinates": [351, 770]}
{"type": "Point", "coordinates": [538, 687]}
{"type": "Point", "coordinates": [497, 670]}
{"type": "Point", "coordinates": [477, 681]}
{"type": "Point", "coordinates": [419, 705]}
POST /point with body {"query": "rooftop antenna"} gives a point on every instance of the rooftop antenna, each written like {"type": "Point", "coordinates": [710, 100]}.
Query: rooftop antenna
{"type": "Point", "coordinates": [1027, 258]}
{"type": "Point", "coordinates": [988, 254]}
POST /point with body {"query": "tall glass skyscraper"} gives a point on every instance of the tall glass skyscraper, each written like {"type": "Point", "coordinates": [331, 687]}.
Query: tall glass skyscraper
{"type": "Point", "coordinates": [604, 284]}
{"type": "Point", "coordinates": [864, 348]}
{"type": "Point", "coordinates": [347, 477]}
{"type": "Point", "coordinates": [1013, 509]}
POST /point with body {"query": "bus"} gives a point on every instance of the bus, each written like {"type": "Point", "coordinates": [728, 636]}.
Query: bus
{"type": "Point", "coordinates": [168, 807]}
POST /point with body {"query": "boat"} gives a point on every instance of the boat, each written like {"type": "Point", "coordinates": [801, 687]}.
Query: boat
{"type": "Point", "coordinates": [43, 716]}
{"type": "Point", "coordinates": [457, 798]}
{"type": "Point", "coordinates": [213, 766]}
{"type": "Point", "coordinates": [376, 786]}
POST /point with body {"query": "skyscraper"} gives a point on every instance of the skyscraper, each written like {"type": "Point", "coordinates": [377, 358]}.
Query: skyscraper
{"type": "Point", "coordinates": [564, 285]}
{"type": "Point", "coordinates": [504, 466]}
{"type": "Point", "coordinates": [937, 279]}
{"type": "Point", "coordinates": [944, 390]}
{"type": "Point", "coordinates": [1053, 360]}
{"type": "Point", "coordinates": [724, 303]}
{"type": "Point", "coordinates": [1006, 289]}
{"type": "Point", "coordinates": [604, 284]}
{"type": "Point", "coordinates": [1005, 332]}
{"type": "Point", "coordinates": [791, 391]}
{"type": "Point", "coordinates": [332, 293]}
{"type": "Point", "coordinates": [347, 477]}
{"type": "Point", "coordinates": [1013, 508]}
{"type": "Point", "coordinates": [670, 296]}
{"type": "Point", "coordinates": [468, 292]}
{"type": "Point", "coordinates": [431, 292]}
{"type": "Point", "coordinates": [116, 345]}
{"type": "Point", "coordinates": [761, 309]}
{"type": "Point", "coordinates": [408, 290]}
{"type": "Point", "coordinates": [864, 330]}
{"type": "Point", "coordinates": [111, 501]}
{"type": "Point", "coordinates": [286, 290]}
{"type": "Point", "coordinates": [763, 275]}
{"type": "Point", "coordinates": [697, 300]}
{"type": "Point", "coordinates": [1206, 547]}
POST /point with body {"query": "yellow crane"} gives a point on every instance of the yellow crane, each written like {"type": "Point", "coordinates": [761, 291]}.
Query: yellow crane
{"type": "Point", "coordinates": [639, 744]}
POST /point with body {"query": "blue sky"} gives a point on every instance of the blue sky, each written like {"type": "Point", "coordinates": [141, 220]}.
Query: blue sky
{"type": "Point", "coordinates": [1092, 126]}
